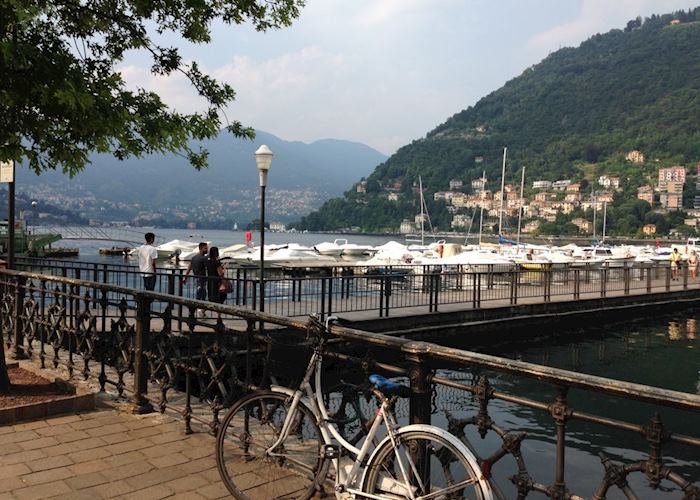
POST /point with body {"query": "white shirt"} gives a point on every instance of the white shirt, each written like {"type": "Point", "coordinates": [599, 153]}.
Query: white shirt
{"type": "Point", "coordinates": [147, 254]}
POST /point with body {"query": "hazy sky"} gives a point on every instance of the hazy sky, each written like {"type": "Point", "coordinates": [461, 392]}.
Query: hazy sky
{"type": "Point", "coordinates": [385, 72]}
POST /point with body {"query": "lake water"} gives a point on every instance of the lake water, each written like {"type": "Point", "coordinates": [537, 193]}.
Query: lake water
{"type": "Point", "coordinates": [662, 352]}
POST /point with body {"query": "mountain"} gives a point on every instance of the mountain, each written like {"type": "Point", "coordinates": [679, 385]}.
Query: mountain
{"type": "Point", "coordinates": [574, 115]}
{"type": "Point", "coordinates": [224, 192]}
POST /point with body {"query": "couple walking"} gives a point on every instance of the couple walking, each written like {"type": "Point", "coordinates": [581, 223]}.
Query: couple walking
{"type": "Point", "coordinates": [209, 272]}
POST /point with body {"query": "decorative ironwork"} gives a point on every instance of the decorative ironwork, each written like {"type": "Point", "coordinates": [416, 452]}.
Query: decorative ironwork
{"type": "Point", "coordinates": [119, 346]}
{"type": "Point", "coordinates": [103, 325]}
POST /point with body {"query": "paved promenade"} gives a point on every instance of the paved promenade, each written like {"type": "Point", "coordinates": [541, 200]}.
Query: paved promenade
{"type": "Point", "coordinates": [107, 454]}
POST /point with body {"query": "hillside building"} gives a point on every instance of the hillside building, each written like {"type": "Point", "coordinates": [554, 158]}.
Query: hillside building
{"type": "Point", "coordinates": [277, 226]}
{"type": "Point", "coordinates": [393, 196]}
{"type": "Point", "coordinates": [609, 181]}
{"type": "Point", "coordinates": [479, 184]}
{"type": "Point", "coordinates": [649, 229]}
{"type": "Point", "coordinates": [671, 174]}
{"type": "Point", "coordinates": [456, 184]}
{"type": "Point", "coordinates": [531, 227]}
{"type": "Point", "coordinates": [574, 187]}
{"type": "Point", "coordinates": [361, 187]}
{"type": "Point", "coordinates": [582, 224]}
{"type": "Point", "coordinates": [671, 201]}
{"type": "Point", "coordinates": [635, 156]}
{"type": "Point", "coordinates": [646, 193]}
{"type": "Point", "coordinates": [407, 227]}
{"type": "Point", "coordinates": [573, 198]}
{"type": "Point", "coordinates": [542, 185]}
{"type": "Point", "coordinates": [561, 185]}
{"type": "Point", "coordinates": [460, 220]}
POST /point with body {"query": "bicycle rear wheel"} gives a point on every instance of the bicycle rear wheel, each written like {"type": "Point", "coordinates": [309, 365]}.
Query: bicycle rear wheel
{"type": "Point", "coordinates": [250, 428]}
{"type": "Point", "coordinates": [435, 468]}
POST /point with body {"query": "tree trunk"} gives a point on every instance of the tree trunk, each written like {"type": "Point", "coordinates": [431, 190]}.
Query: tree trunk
{"type": "Point", "coordinates": [4, 378]}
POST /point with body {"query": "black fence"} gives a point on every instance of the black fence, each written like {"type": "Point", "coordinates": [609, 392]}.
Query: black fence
{"type": "Point", "coordinates": [126, 339]}
{"type": "Point", "coordinates": [381, 290]}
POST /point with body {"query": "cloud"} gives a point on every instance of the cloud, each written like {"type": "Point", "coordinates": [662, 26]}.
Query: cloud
{"type": "Point", "coordinates": [382, 11]}
{"type": "Point", "coordinates": [596, 16]}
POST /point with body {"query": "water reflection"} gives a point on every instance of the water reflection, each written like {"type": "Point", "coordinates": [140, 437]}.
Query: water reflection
{"type": "Point", "coordinates": [660, 352]}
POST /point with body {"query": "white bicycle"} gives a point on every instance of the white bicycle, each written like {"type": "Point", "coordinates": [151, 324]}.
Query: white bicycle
{"type": "Point", "coordinates": [280, 444]}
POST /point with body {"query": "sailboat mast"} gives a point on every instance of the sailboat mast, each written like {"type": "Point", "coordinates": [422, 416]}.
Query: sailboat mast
{"type": "Point", "coordinates": [422, 211]}
{"type": "Point", "coordinates": [595, 210]}
{"type": "Point", "coordinates": [481, 203]}
{"type": "Point", "coordinates": [605, 216]}
{"type": "Point", "coordinates": [520, 209]}
{"type": "Point", "coordinates": [503, 185]}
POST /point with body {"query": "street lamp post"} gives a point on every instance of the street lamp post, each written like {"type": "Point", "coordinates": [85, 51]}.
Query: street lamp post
{"type": "Point", "coordinates": [263, 160]}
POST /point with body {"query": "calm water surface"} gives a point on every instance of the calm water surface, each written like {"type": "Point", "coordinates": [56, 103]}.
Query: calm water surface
{"type": "Point", "coordinates": [662, 352]}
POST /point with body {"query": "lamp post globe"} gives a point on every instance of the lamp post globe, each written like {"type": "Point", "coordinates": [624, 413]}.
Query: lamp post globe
{"type": "Point", "coordinates": [263, 160]}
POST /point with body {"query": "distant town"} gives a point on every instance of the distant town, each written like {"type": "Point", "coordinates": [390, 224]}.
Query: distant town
{"type": "Point", "coordinates": [548, 201]}
{"type": "Point", "coordinates": [211, 212]}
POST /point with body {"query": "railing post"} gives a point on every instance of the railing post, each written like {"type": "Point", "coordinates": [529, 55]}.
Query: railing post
{"type": "Point", "coordinates": [626, 277]}
{"type": "Point", "coordinates": [560, 412]}
{"type": "Point", "coordinates": [513, 286]}
{"type": "Point", "coordinates": [649, 276]}
{"type": "Point", "coordinates": [420, 382]}
{"type": "Point", "coordinates": [139, 401]}
{"type": "Point", "coordinates": [668, 278]}
{"type": "Point", "coordinates": [473, 277]}
{"type": "Point", "coordinates": [577, 284]}
{"type": "Point", "coordinates": [330, 295]}
{"type": "Point", "coordinates": [431, 285]}
{"type": "Point", "coordinates": [603, 280]}
{"type": "Point", "coordinates": [685, 277]}
{"type": "Point", "coordinates": [478, 290]}
{"type": "Point", "coordinates": [387, 290]}
{"type": "Point", "coordinates": [18, 350]}
{"type": "Point", "coordinates": [323, 298]}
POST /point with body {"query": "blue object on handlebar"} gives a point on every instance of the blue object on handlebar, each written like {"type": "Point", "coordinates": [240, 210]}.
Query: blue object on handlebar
{"type": "Point", "coordinates": [388, 386]}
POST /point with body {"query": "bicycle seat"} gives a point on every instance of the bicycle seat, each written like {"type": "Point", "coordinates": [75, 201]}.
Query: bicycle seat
{"type": "Point", "coordinates": [389, 387]}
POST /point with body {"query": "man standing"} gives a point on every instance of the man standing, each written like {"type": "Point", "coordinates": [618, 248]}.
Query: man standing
{"type": "Point", "coordinates": [147, 262]}
{"type": "Point", "coordinates": [198, 267]}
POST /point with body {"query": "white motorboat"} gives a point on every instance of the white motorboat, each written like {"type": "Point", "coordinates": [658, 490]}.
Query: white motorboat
{"type": "Point", "coordinates": [354, 250]}
{"type": "Point", "coordinates": [169, 249]}
{"type": "Point", "coordinates": [332, 249]}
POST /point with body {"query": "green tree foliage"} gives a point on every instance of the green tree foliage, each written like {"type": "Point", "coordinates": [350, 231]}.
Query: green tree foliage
{"type": "Point", "coordinates": [62, 97]}
{"type": "Point", "coordinates": [585, 106]}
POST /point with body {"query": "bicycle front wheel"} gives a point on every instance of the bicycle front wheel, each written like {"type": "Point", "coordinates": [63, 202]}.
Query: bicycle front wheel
{"type": "Point", "coordinates": [292, 470]}
{"type": "Point", "coordinates": [424, 465]}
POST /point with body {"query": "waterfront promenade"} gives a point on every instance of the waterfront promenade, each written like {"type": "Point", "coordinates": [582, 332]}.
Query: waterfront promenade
{"type": "Point", "coordinates": [106, 453]}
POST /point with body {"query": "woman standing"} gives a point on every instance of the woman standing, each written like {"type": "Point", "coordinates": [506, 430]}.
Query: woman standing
{"type": "Point", "coordinates": [215, 273]}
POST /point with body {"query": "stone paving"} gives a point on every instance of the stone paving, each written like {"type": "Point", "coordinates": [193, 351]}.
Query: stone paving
{"type": "Point", "coordinates": [107, 454]}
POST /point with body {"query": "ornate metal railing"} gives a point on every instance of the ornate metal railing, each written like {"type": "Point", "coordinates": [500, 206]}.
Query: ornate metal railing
{"type": "Point", "coordinates": [128, 341]}
{"type": "Point", "coordinates": [388, 289]}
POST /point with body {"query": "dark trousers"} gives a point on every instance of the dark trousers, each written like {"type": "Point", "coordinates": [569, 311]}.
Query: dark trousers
{"type": "Point", "coordinates": [201, 293]}
{"type": "Point", "coordinates": [149, 282]}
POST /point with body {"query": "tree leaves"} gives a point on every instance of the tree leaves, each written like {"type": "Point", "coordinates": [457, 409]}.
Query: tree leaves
{"type": "Point", "coordinates": [63, 98]}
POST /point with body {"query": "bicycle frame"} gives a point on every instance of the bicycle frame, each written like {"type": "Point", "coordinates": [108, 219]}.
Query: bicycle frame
{"type": "Point", "coordinates": [313, 398]}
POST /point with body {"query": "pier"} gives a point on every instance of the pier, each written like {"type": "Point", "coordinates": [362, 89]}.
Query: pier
{"type": "Point", "coordinates": [423, 300]}
{"type": "Point", "coordinates": [149, 351]}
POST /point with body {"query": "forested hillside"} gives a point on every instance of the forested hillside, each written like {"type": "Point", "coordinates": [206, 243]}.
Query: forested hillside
{"type": "Point", "coordinates": [574, 114]}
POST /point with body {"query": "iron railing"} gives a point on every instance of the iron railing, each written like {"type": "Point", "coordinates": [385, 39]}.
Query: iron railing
{"type": "Point", "coordinates": [127, 340]}
{"type": "Point", "coordinates": [385, 290]}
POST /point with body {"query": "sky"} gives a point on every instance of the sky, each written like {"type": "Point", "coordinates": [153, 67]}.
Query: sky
{"type": "Point", "coordinates": [384, 72]}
